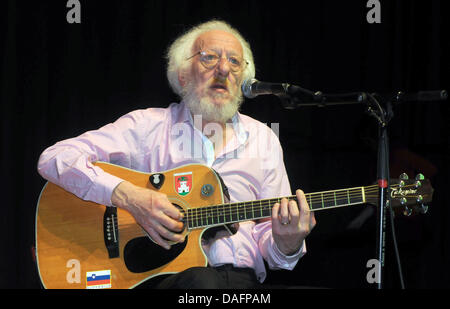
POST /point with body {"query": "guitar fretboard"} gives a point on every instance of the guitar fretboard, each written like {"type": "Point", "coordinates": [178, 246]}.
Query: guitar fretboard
{"type": "Point", "coordinates": [243, 211]}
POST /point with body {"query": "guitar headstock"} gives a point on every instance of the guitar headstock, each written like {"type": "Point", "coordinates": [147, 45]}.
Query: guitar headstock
{"type": "Point", "coordinates": [410, 196]}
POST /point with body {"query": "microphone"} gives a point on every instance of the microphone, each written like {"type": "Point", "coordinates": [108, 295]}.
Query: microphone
{"type": "Point", "coordinates": [252, 88]}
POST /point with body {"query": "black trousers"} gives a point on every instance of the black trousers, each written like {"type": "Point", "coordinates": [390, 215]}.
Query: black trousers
{"type": "Point", "coordinates": [222, 277]}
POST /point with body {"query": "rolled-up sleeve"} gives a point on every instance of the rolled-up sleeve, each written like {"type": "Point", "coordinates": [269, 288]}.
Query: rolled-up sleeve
{"type": "Point", "coordinates": [68, 163]}
{"type": "Point", "coordinates": [269, 250]}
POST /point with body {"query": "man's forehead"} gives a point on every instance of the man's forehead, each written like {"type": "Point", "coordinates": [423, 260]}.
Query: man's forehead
{"type": "Point", "coordinates": [218, 39]}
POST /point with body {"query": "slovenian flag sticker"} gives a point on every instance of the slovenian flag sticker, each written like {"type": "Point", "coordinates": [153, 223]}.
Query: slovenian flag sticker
{"type": "Point", "coordinates": [100, 279]}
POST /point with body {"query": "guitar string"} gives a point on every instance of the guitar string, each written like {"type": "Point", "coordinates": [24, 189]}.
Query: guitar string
{"type": "Point", "coordinates": [368, 191]}
{"type": "Point", "coordinates": [229, 208]}
{"type": "Point", "coordinates": [208, 214]}
{"type": "Point", "coordinates": [328, 196]}
{"type": "Point", "coordinates": [216, 213]}
{"type": "Point", "coordinates": [204, 213]}
{"type": "Point", "coordinates": [232, 209]}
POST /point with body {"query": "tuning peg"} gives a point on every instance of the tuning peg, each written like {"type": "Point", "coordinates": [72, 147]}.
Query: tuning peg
{"type": "Point", "coordinates": [407, 211]}
{"type": "Point", "coordinates": [404, 176]}
{"type": "Point", "coordinates": [419, 199]}
{"type": "Point", "coordinates": [420, 177]}
{"type": "Point", "coordinates": [424, 209]}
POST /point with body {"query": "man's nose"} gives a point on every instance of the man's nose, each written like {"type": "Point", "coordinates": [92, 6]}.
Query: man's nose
{"type": "Point", "coordinates": [223, 67]}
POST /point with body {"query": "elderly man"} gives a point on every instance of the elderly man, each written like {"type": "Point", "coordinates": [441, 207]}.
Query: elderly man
{"type": "Point", "coordinates": [206, 67]}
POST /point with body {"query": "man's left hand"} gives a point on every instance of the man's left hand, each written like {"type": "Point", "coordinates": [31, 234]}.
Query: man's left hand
{"type": "Point", "coordinates": [291, 223]}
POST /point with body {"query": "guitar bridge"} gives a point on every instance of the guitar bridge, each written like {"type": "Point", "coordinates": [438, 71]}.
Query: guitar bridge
{"type": "Point", "coordinates": [111, 232]}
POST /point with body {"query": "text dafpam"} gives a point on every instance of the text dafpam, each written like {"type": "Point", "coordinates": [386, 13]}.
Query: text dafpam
{"type": "Point", "coordinates": [243, 298]}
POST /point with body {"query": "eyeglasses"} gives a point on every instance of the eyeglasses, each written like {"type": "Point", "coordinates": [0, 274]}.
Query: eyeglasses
{"type": "Point", "coordinates": [209, 59]}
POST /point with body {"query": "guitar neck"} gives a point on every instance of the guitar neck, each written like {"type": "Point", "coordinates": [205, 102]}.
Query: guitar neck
{"type": "Point", "coordinates": [214, 215]}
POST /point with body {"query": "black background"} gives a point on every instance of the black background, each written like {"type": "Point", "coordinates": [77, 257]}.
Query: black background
{"type": "Point", "coordinates": [59, 80]}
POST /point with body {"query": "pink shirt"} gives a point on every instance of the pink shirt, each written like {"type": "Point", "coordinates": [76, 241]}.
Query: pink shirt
{"type": "Point", "coordinates": [158, 139]}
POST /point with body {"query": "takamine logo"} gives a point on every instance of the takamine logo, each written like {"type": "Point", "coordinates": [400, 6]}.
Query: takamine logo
{"type": "Point", "coordinates": [399, 192]}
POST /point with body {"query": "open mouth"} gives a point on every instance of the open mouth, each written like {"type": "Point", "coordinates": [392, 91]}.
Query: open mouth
{"type": "Point", "coordinates": [219, 87]}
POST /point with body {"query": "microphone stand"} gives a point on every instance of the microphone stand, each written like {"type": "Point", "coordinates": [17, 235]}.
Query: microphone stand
{"type": "Point", "coordinates": [383, 117]}
{"type": "Point", "coordinates": [292, 99]}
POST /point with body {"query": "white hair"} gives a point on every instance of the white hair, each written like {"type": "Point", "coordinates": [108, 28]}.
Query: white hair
{"type": "Point", "coordinates": [181, 49]}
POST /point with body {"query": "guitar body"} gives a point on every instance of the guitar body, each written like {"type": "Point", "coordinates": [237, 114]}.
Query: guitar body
{"type": "Point", "coordinates": [72, 234]}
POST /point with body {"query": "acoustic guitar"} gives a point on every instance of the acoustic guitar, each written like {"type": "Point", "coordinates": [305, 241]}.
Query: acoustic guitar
{"type": "Point", "coordinates": [81, 244]}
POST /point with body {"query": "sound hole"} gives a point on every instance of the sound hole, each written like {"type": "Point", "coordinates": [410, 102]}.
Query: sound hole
{"type": "Point", "coordinates": [142, 254]}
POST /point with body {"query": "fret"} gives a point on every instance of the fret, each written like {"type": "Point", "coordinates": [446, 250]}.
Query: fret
{"type": "Point", "coordinates": [356, 196]}
{"type": "Point", "coordinates": [204, 216]}
{"type": "Point", "coordinates": [207, 213]}
{"type": "Point", "coordinates": [197, 217]}
{"type": "Point", "coordinates": [213, 213]}
{"type": "Point", "coordinates": [221, 214]}
{"type": "Point", "coordinates": [253, 211]}
{"type": "Point", "coordinates": [328, 200]}
{"type": "Point", "coordinates": [233, 210]}
{"type": "Point", "coordinates": [248, 211]}
{"type": "Point", "coordinates": [316, 201]}
{"type": "Point", "coordinates": [241, 212]}
{"type": "Point", "coordinates": [266, 208]}
{"type": "Point", "coordinates": [228, 213]}
{"type": "Point", "coordinates": [363, 198]}
{"type": "Point", "coordinates": [342, 197]}
{"type": "Point", "coordinates": [190, 219]}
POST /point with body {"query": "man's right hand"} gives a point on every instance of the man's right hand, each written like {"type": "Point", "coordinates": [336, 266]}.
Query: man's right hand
{"type": "Point", "coordinates": [152, 211]}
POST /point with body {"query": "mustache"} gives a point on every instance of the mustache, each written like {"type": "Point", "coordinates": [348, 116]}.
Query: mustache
{"type": "Point", "coordinates": [235, 94]}
{"type": "Point", "coordinates": [192, 87]}
{"type": "Point", "coordinates": [219, 82]}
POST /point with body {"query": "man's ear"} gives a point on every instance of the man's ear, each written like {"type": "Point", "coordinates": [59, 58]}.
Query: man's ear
{"type": "Point", "coordinates": [182, 78]}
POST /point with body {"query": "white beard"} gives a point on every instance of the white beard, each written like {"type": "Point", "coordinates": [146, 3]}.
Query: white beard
{"type": "Point", "coordinates": [202, 104]}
